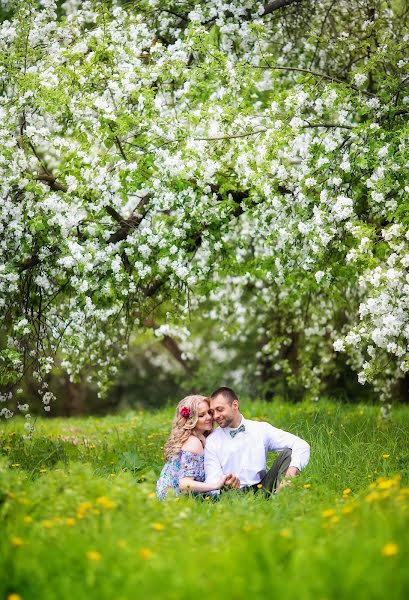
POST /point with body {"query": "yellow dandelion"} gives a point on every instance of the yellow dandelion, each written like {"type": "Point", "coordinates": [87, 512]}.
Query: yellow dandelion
{"type": "Point", "coordinates": [105, 502]}
{"type": "Point", "coordinates": [70, 521]}
{"type": "Point", "coordinates": [390, 549]}
{"type": "Point", "coordinates": [347, 509]}
{"type": "Point", "coordinates": [285, 533]}
{"type": "Point", "coordinates": [386, 484]}
{"type": "Point", "coordinates": [153, 495]}
{"type": "Point", "coordinates": [16, 465]}
{"type": "Point", "coordinates": [145, 554]}
{"type": "Point", "coordinates": [93, 555]}
{"type": "Point", "coordinates": [334, 519]}
{"type": "Point", "coordinates": [27, 519]}
{"type": "Point", "coordinates": [372, 497]}
{"type": "Point", "coordinates": [158, 526]}
{"type": "Point", "coordinates": [404, 492]}
{"type": "Point", "coordinates": [47, 524]}
{"type": "Point", "coordinates": [385, 455]}
{"type": "Point", "coordinates": [328, 513]}
{"type": "Point", "coordinates": [14, 597]}
{"type": "Point", "coordinates": [347, 491]}
{"type": "Point", "coordinates": [306, 486]}
{"type": "Point", "coordinates": [259, 485]}
{"type": "Point", "coordinates": [16, 541]}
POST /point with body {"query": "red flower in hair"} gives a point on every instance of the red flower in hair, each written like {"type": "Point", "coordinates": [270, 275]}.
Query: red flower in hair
{"type": "Point", "coordinates": [185, 412]}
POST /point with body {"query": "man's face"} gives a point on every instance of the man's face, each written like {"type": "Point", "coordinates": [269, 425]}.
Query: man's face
{"type": "Point", "coordinates": [223, 413]}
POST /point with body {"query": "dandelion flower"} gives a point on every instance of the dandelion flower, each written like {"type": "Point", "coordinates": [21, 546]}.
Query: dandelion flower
{"type": "Point", "coordinates": [387, 484]}
{"type": "Point", "coordinates": [14, 597]}
{"type": "Point", "coordinates": [285, 533]}
{"type": "Point", "coordinates": [390, 549]}
{"type": "Point", "coordinates": [145, 554]}
{"type": "Point", "coordinates": [105, 502]}
{"type": "Point", "coordinates": [306, 486]}
{"type": "Point", "coordinates": [70, 521]}
{"type": "Point", "coordinates": [16, 541]}
{"type": "Point", "coordinates": [385, 455]}
{"type": "Point", "coordinates": [328, 513]}
{"type": "Point", "coordinates": [27, 519]}
{"type": "Point", "coordinates": [93, 555]}
{"type": "Point", "coordinates": [47, 524]}
{"type": "Point", "coordinates": [158, 526]}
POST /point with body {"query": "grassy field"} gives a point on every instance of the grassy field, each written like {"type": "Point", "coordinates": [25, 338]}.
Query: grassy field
{"type": "Point", "coordinates": [79, 518]}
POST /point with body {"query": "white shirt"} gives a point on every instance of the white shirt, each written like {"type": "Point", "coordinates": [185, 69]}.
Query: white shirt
{"type": "Point", "coordinates": [245, 454]}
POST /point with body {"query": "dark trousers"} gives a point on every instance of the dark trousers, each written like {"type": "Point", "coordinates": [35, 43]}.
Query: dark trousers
{"type": "Point", "coordinates": [272, 478]}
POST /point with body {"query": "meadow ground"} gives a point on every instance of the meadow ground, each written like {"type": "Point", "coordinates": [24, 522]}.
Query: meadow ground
{"type": "Point", "coordinates": [79, 518]}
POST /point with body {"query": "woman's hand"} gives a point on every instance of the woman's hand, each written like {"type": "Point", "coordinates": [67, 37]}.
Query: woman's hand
{"type": "Point", "coordinates": [221, 482]}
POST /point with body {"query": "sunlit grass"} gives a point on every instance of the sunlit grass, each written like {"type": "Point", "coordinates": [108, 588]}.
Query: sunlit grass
{"type": "Point", "coordinates": [80, 519]}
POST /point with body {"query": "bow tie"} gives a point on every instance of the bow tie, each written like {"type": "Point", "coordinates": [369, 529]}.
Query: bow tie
{"type": "Point", "coordinates": [234, 432]}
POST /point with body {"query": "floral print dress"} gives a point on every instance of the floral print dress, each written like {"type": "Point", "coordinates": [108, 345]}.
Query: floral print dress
{"type": "Point", "coordinates": [182, 464]}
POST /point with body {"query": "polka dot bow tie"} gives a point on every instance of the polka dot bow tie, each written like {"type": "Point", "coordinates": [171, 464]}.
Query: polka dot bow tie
{"type": "Point", "coordinates": [234, 432]}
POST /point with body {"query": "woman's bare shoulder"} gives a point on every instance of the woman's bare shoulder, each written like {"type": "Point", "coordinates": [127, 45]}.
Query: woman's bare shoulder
{"type": "Point", "coordinates": [193, 444]}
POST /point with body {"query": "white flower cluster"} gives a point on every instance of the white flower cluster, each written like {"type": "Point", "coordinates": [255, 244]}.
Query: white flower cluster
{"type": "Point", "coordinates": [200, 175]}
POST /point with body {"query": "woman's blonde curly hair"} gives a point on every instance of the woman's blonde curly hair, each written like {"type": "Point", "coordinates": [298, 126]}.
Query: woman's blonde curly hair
{"type": "Point", "coordinates": [183, 427]}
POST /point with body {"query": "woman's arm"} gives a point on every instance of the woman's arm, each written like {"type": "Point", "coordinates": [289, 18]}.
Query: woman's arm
{"type": "Point", "coordinates": [188, 484]}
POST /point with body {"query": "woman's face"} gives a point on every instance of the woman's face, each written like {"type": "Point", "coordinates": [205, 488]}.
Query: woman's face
{"type": "Point", "coordinates": [205, 418]}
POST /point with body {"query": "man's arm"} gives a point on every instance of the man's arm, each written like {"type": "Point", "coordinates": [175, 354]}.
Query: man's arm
{"type": "Point", "coordinates": [278, 439]}
{"type": "Point", "coordinates": [212, 466]}
{"type": "Point", "coordinates": [214, 471]}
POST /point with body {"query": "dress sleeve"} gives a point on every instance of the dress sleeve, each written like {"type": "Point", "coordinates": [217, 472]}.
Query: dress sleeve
{"type": "Point", "coordinates": [189, 464]}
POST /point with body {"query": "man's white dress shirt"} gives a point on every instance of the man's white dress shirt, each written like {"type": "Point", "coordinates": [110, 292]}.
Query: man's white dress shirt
{"type": "Point", "coordinates": [245, 454]}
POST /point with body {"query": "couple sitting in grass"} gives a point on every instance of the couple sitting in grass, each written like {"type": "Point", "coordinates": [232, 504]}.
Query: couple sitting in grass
{"type": "Point", "coordinates": [203, 460]}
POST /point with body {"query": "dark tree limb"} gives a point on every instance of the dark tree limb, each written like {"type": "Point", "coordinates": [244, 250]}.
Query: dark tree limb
{"type": "Point", "coordinates": [171, 346]}
{"type": "Point", "coordinates": [270, 7]}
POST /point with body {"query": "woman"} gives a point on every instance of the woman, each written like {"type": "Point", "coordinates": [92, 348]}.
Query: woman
{"type": "Point", "coordinates": [184, 469]}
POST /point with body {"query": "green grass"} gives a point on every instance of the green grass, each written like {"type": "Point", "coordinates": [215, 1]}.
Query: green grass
{"type": "Point", "coordinates": [86, 486]}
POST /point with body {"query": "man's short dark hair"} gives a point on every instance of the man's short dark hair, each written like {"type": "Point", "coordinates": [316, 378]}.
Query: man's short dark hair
{"type": "Point", "coordinates": [227, 393]}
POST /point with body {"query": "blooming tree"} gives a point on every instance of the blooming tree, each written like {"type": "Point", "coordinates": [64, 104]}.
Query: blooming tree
{"type": "Point", "coordinates": [241, 161]}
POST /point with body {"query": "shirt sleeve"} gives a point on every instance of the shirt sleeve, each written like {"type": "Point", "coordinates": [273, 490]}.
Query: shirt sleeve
{"type": "Point", "coordinates": [278, 439]}
{"type": "Point", "coordinates": [213, 468]}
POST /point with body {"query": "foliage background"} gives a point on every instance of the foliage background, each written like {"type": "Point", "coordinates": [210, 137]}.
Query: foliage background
{"type": "Point", "coordinates": [226, 179]}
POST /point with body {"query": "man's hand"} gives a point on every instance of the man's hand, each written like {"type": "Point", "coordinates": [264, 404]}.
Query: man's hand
{"type": "Point", "coordinates": [232, 482]}
{"type": "Point", "coordinates": [289, 474]}
{"type": "Point", "coordinates": [292, 472]}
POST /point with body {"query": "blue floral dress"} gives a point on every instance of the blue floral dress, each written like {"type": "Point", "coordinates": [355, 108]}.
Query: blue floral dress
{"type": "Point", "coordinates": [182, 464]}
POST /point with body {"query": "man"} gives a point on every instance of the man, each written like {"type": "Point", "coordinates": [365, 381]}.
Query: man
{"type": "Point", "coordinates": [240, 446]}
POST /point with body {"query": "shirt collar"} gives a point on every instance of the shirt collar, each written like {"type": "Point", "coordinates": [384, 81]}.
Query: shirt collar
{"type": "Point", "coordinates": [228, 429]}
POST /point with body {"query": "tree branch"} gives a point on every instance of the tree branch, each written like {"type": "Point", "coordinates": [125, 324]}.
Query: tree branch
{"type": "Point", "coordinates": [171, 346]}
{"type": "Point", "coordinates": [276, 4]}
{"type": "Point", "coordinates": [316, 74]}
